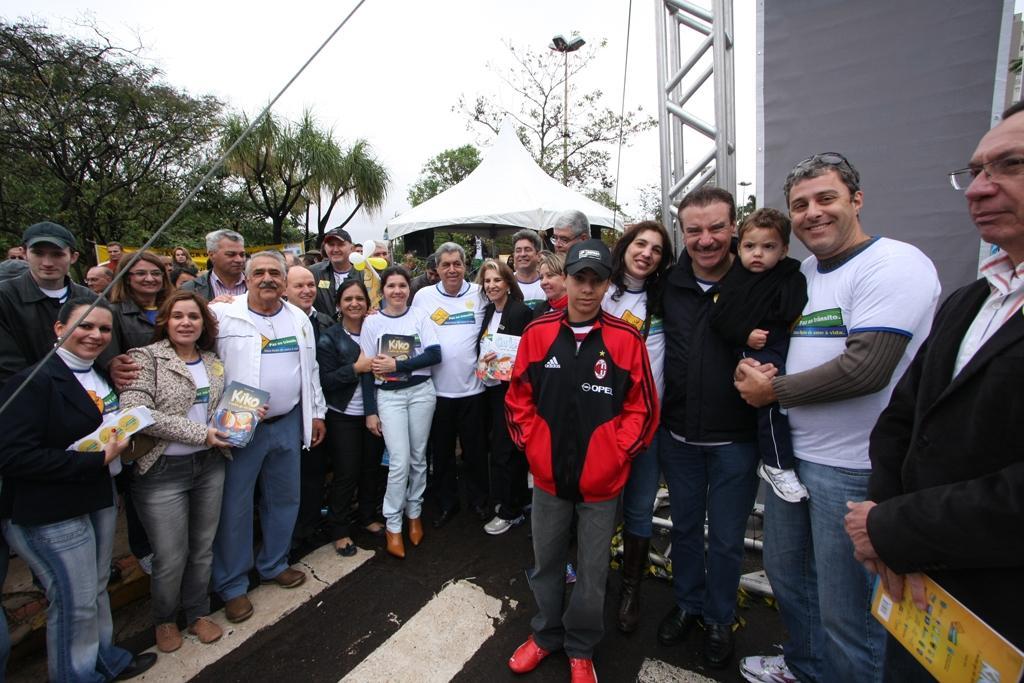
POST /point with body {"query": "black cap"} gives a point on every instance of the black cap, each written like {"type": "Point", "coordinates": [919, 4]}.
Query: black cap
{"type": "Point", "coordinates": [338, 233]}
{"type": "Point", "coordinates": [48, 232]}
{"type": "Point", "coordinates": [591, 254]}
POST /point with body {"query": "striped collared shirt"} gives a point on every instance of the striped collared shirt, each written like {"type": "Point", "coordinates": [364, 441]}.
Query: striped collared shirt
{"type": "Point", "coordinates": [1007, 294]}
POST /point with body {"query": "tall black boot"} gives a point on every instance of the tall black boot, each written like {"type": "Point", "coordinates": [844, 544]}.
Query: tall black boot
{"type": "Point", "coordinates": [634, 563]}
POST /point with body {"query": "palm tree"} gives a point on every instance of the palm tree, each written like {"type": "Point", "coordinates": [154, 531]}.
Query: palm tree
{"type": "Point", "coordinates": [355, 174]}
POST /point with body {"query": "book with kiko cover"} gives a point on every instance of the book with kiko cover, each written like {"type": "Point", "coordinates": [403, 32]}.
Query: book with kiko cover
{"type": "Point", "coordinates": [237, 412]}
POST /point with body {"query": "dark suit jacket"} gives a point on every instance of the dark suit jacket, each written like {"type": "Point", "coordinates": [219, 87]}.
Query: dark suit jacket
{"type": "Point", "coordinates": [514, 320]}
{"type": "Point", "coordinates": [43, 482]}
{"type": "Point", "coordinates": [948, 471]}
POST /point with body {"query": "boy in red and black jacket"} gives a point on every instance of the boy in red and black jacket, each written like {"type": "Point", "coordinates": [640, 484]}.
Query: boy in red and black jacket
{"type": "Point", "coordinates": [581, 404]}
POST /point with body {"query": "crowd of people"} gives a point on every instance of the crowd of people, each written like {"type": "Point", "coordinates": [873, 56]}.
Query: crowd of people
{"type": "Point", "coordinates": [833, 380]}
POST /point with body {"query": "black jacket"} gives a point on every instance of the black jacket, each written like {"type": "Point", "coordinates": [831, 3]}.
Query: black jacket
{"type": "Point", "coordinates": [131, 328]}
{"type": "Point", "coordinates": [336, 352]}
{"type": "Point", "coordinates": [320, 323]}
{"type": "Point", "coordinates": [326, 289]}
{"type": "Point", "coordinates": [700, 401]}
{"type": "Point", "coordinates": [948, 470]}
{"type": "Point", "coordinates": [514, 320]}
{"type": "Point", "coordinates": [26, 323]}
{"type": "Point", "coordinates": [42, 484]}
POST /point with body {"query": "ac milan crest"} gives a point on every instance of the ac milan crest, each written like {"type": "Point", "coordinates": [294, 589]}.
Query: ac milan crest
{"type": "Point", "coordinates": [600, 369]}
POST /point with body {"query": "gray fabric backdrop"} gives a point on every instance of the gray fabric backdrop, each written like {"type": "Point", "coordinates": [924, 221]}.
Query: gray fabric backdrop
{"type": "Point", "coordinates": [902, 88]}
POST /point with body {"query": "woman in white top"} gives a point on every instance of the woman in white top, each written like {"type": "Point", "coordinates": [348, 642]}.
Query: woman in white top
{"type": "Point", "coordinates": [640, 261]}
{"type": "Point", "coordinates": [402, 345]}
{"type": "Point", "coordinates": [178, 485]}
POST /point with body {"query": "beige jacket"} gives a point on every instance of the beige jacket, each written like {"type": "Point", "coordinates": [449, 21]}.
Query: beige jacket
{"type": "Point", "coordinates": [166, 387]}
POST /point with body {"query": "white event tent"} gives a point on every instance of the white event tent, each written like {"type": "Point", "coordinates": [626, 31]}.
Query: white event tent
{"type": "Point", "coordinates": [506, 192]}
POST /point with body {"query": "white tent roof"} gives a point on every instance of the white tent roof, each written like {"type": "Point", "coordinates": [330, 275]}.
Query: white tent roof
{"type": "Point", "coordinates": [506, 192]}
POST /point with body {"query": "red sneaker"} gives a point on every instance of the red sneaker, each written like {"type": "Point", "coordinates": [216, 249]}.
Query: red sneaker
{"type": "Point", "coordinates": [527, 656]}
{"type": "Point", "coordinates": [582, 670]}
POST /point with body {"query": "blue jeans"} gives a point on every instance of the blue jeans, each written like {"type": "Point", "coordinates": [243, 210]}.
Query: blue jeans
{"type": "Point", "coordinates": [71, 558]}
{"type": "Point", "coordinates": [272, 459]}
{"type": "Point", "coordinates": [178, 500]}
{"type": "Point", "coordinates": [824, 594]}
{"type": "Point", "coordinates": [405, 419]}
{"type": "Point", "coordinates": [719, 483]}
{"type": "Point", "coordinates": [641, 488]}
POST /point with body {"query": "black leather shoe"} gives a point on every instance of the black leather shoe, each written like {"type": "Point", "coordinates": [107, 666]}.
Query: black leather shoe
{"type": "Point", "coordinates": [445, 517]}
{"type": "Point", "coordinates": [675, 626]}
{"type": "Point", "coordinates": [140, 664]}
{"type": "Point", "coordinates": [718, 644]}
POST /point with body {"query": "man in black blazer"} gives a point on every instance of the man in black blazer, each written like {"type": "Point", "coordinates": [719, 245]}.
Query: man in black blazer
{"type": "Point", "coordinates": [946, 495]}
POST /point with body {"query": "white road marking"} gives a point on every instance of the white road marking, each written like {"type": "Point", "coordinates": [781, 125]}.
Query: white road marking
{"type": "Point", "coordinates": [271, 603]}
{"type": "Point", "coordinates": [436, 642]}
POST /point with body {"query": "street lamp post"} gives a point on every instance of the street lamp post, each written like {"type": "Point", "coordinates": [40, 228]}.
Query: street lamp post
{"type": "Point", "coordinates": [560, 44]}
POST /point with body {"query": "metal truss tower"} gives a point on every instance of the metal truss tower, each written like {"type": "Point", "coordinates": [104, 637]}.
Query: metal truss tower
{"type": "Point", "coordinates": [681, 24]}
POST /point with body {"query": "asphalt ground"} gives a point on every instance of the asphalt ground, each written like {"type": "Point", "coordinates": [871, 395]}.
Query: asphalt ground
{"type": "Point", "coordinates": [331, 635]}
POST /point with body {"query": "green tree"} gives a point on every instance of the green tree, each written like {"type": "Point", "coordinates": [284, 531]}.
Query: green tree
{"type": "Point", "coordinates": [354, 174]}
{"type": "Point", "coordinates": [91, 137]}
{"type": "Point", "coordinates": [443, 171]}
{"type": "Point", "coordinates": [537, 80]}
{"type": "Point", "coordinates": [277, 163]}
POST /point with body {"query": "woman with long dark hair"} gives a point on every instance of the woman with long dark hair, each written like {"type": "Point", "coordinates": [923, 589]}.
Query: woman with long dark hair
{"type": "Point", "coordinates": [355, 452]}
{"type": "Point", "coordinates": [402, 407]}
{"type": "Point", "coordinates": [505, 313]}
{"type": "Point", "coordinates": [60, 515]}
{"type": "Point", "coordinates": [640, 261]}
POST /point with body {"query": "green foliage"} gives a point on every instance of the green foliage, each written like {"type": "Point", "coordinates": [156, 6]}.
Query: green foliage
{"type": "Point", "coordinates": [354, 174]}
{"type": "Point", "coordinates": [537, 80]}
{"type": "Point", "coordinates": [746, 209]}
{"type": "Point", "coordinates": [443, 171]}
{"type": "Point", "coordinates": [90, 137]}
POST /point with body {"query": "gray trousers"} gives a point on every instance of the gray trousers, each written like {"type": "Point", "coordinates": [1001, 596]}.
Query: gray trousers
{"type": "Point", "coordinates": [576, 625]}
{"type": "Point", "coordinates": [179, 501]}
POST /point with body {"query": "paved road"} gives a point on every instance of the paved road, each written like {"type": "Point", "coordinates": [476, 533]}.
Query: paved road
{"type": "Point", "coordinates": [454, 609]}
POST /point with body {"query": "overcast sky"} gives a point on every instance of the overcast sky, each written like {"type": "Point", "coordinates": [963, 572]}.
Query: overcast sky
{"type": "Point", "coordinates": [394, 73]}
{"type": "Point", "coordinates": [397, 69]}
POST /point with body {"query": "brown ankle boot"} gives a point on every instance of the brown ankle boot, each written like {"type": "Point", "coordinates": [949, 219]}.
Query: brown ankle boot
{"type": "Point", "coordinates": [415, 531]}
{"type": "Point", "coordinates": [634, 563]}
{"type": "Point", "coordinates": [395, 545]}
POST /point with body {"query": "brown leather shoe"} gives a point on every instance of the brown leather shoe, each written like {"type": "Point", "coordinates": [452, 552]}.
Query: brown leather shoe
{"type": "Point", "coordinates": [168, 637]}
{"type": "Point", "coordinates": [395, 545]}
{"type": "Point", "coordinates": [289, 578]}
{"type": "Point", "coordinates": [238, 609]}
{"type": "Point", "coordinates": [415, 531]}
{"type": "Point", "coordinates": [206, 630]}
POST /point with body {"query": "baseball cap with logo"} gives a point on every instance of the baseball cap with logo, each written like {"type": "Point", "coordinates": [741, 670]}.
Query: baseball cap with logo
{"type": "Point", "coordinates": [591, 254]}
{"type": "Point", "coordinates": [338, 234]}
{"type": "Point", "coordinates": [50, 233]}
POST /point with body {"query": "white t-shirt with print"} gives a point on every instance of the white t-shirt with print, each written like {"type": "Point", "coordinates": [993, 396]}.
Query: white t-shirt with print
{"type": "Point", "coordinates": [280, 372]}
{"type": "Point", "coordinates": [533, 295]}
{"type": "Point", "coordinates": [457, 320]}
{"type": "Point", "coordinates": [412, 323]}
{"type": "Point", "coordinates": [632, 307]}
{"type": "Point", "coordinates": [101, 394]}
{"type": "Point", "coordinates": [890, 286]}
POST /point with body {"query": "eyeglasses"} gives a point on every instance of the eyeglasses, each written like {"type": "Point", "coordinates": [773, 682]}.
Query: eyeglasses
{"type": "Point", "coordinates": [558, 240]}
{"type": "Point", "coordinates": [144, 273]}
{"type": "Point", "coordinates": [996, 170]}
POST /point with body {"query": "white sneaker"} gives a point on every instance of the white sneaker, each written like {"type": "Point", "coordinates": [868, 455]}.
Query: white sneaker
{"type": "Point", "coordinates": [499, 526]}
{"type": "Point", "coordinates": [766, 670]}
{"type": "Point", "coordinates": [146, 563]}
{"type": "Point", "coordinates": [784, 483]}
